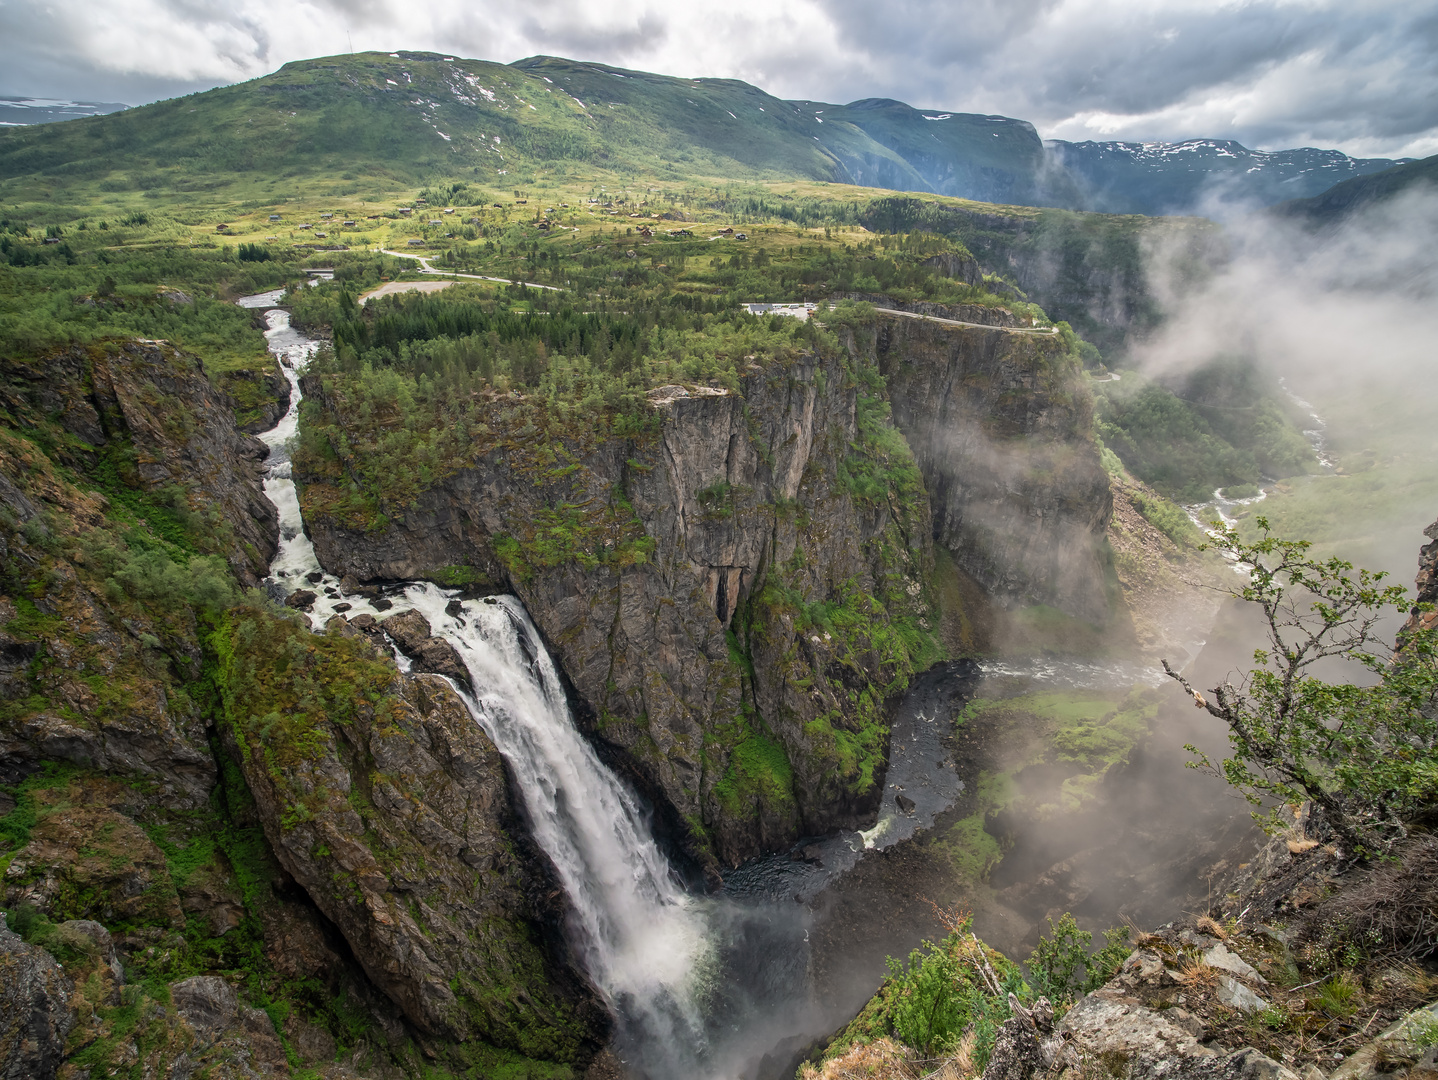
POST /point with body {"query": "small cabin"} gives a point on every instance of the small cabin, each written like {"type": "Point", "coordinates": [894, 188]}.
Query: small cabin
{"type": "Point", "coordinates": [321, 235]}
{"type": "Point", "coordinates": [222, 228]}
{"type": "Point", "coordinates": [741, 236]}
{"type": "Point", "coordinates": [726, 232]}
{"type": "Point", "coordinates": [435, 221]}
{"type": "Point", "coordinates": [350, 224]}
{"type": "Point", "coordinates": [520, 202]}
{"type": "Point", "coordinates": [326, 217]}
{"type": "Point", "coordinates": [415, 243]}
{"type": "Point", "coordinates": [449, 210]}
{"type": "Point", "coordinates": [274, 217]}
{"type": "Point", "coordinates": [406, 210]}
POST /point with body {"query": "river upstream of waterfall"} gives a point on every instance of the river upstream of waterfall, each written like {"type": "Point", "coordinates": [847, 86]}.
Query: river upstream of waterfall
{"type": "Point", "coordinates": [740, 982]}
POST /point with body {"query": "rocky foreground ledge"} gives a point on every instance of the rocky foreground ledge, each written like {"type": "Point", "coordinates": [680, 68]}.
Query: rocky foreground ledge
{"type": "Point", "coordinates": [1303, 971]}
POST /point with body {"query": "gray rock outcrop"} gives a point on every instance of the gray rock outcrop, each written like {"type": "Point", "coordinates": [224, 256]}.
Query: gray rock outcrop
{"type": "Point", "coordinates": [35, 1016]}
{"type": "Point", "coordinates": [410, 631]}
{"type": "Point", "coordinates": [394, 815]}
{"type": "Point", "coordinates": [1112, 1027]}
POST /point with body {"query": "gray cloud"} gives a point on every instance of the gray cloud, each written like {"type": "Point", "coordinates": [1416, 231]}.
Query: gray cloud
{"type": "Point", "coordinates": [1271, 73]}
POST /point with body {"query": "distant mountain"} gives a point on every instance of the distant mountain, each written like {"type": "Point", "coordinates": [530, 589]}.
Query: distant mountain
{"type": "Point", "coordinates": [411, 118]}
{"type": "Point", "coordinates": [1343, 199]}
{"type": "Point", "coordinates": [874, 142]}
{"type": "Point", "coordinates": [1166, 178]}
{"type": "Point", "coordinates": [28, 110]}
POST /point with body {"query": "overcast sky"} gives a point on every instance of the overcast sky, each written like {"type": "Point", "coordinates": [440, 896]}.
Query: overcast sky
{"type": "Point", "coordinates": [1357, 75]}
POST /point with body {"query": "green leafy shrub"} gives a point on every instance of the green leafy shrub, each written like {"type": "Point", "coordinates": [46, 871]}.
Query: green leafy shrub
{"type": "Point", "coordinates": [1062, 967]}
{"type": "Point", "coordinates": [1167, 518]}
{"type": "Point", "coordinates": [1365, 754]}
{"type": "Point", "coordinates": [942, 991]}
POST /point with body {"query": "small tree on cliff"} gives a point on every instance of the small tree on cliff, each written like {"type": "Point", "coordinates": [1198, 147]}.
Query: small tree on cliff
{"type": "Point", "coordinates": [1365, 754]}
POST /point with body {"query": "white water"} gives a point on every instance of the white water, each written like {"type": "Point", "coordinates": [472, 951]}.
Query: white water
{"type": "Point", "coordinates": [1225, 508]}
{"type": "Point", "coordinates": [1317, 435]}
{"type": "Point", "coordinates": [641, 938]}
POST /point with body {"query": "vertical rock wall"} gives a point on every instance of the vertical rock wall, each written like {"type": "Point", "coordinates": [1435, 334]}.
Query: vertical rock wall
{"type": "Point", "coordinates": [1001, 425]}
{"type": "Point", "coordinates": [731, 604]}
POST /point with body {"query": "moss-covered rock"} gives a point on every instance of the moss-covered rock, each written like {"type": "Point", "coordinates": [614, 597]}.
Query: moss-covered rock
{"type": "Point", "coordinates": [387, 803]}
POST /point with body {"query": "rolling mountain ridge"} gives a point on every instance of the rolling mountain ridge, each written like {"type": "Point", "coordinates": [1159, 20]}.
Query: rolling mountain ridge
{"type": "Point", "coordinates": [411, 116]}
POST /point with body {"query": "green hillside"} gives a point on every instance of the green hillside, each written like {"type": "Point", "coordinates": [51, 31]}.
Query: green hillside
{"type": "Point", "coordinates": [1343, 199]}
{"type": "Point", "coordinates": [369, 119]}
{"type": "Point", "coordinates": [385, 121]}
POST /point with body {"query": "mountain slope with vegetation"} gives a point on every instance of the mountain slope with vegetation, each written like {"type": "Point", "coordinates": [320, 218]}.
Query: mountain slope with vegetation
{"type": "Point", "coordinates": [360, 119]}
{"type": "Point", "coordinates": [1343, 200]}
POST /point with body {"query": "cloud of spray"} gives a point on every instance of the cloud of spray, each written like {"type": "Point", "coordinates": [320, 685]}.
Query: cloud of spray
{"type": "Point", "coordinates": [1342, 312]}
{"type": "Point", "coordinates": [1343, 304]}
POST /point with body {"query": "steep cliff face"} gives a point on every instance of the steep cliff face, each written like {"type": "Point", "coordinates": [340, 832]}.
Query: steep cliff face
{"type": "Point", "coordinates": [85, 679]}
{"type": "Point", "coordinates": [98, 627]}
{"type": "Point", "coordinates": [141, 417]}
{"type": "Point", "coordinates": [732, 594]}
{"type": "Point", "coordinates": [1109, 276]}
{"type": "Point", "coordinates": [1426, 583]}
{"type": "Point", "coordinates": [1001, 425]}
{"type": "Point", "coordinates": [120, 805]}
{"type": "Point", "coordinates": [388, 804]}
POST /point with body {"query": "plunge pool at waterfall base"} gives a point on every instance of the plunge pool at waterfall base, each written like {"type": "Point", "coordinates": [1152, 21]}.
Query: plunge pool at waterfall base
{"type": "Point", "coordinates": [747, 980]}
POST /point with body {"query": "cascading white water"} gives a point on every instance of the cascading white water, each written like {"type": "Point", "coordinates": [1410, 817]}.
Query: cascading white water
{"type": "Point", "coordinates": [641, 938]}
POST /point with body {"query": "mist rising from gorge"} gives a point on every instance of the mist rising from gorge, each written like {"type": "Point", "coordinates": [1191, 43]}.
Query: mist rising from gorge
{"type": "Point", "coordinates": [1344, 315]}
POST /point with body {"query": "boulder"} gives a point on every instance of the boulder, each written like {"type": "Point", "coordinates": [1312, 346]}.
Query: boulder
{"type": "Point", "coordinates": [207, 1002]}
{"type": "Point", "coordinates": [100, 940]}
{"type": "Point", "coordinates": [1220, 957]}
{"type": "Point", "coordinates": [1235, 995]}
{"type": "Point", "coordinates": [410, 631]}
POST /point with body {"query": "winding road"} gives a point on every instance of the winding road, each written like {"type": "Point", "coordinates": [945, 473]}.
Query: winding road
{"type": "Point", "coordinates": [425, 268]}
{"type": "Point", "coordinates": [973, 325]}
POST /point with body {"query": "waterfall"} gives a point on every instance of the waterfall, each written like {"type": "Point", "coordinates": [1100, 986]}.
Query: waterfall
{"type": "Point", "coordinates": [642, 940]}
